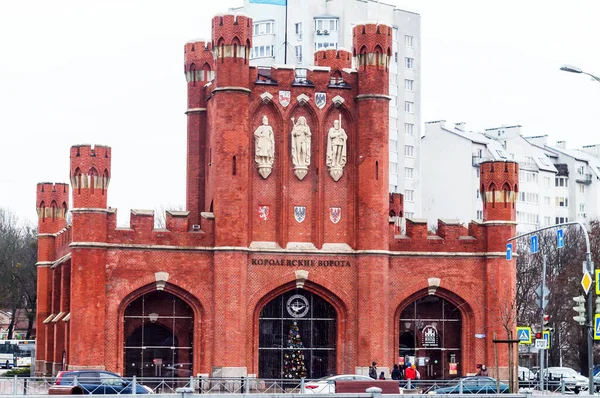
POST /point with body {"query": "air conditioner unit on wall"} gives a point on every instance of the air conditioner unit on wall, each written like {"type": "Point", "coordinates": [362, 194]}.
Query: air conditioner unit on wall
{"type": "Point", "coordinates": [325, 32]}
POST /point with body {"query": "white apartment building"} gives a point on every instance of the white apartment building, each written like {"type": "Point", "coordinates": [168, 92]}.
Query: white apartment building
{"type": "Point", "coordinates": [451, 177]}
{"type": "Point", "coordinates": [290, 32]}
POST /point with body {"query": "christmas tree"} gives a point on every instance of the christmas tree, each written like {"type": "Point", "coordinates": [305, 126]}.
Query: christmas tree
{"type": "Point", "coordinates": [293, 360]}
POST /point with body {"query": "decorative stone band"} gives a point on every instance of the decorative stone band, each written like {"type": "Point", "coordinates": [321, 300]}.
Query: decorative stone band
{"type": "Point", "coordinates": [61, 260]}
{"type": "Point", "coordinates": [54, 235]}
{"type": "Point", "coordinates": [44, 263]}
{"type": "Point", "coordinates": [50, 212]}
{"type": "Point", "coordinates": [232, 88]}
{"type": "Point", "coordinates": [87, 180]}
{"type": "Point", "coordinates": [229, 51]}
{"type": "Point", "coordinates": [132, 246]}
{"type": "Point", "coordinates": [362, 97]}
{"type": "Point", "coordinates": [91, 210]}
{"type": "Point", "coordinates": [199, 75]}
{"type": "Point", "coordinates": [195, 110]}
{"type": "Point", "coordinates": [499, 222]}
{"type": "Point", "coordinates": [500, 197]}
{"type": "Point", "coordinates": [366, 59]}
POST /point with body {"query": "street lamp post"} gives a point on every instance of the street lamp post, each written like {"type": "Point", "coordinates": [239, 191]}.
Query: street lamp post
{"type": "Point", "coordinates": [574, 69]}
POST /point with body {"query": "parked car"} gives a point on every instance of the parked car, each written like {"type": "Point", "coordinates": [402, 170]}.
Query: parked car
{"type": "Point", "coordinates": [326, 385]}
{"type": "Point", "coordinates": [525, 374]}
{"type": "Point", "coordinates": [475, 385]}
{"type": "Point", "coordinates": [573, 380]}
{"type": "Point", "coordinates": [178, 370]}
{"type": "Point", "coordinates": [95, 382]}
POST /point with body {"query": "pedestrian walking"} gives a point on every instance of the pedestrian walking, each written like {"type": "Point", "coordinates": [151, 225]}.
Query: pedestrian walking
{"type": "Point", "coordinates": [373, 370]}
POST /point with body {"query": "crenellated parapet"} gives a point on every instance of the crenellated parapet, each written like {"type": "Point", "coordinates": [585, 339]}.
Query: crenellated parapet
{"type": "Point", "coordinates": [178, 230]}
{"type": "Point", "coordinates": [52, 206]}
{"type": "Point", "coordinates": [337, 60]}
{"type": "Point", "coordinates": [450, 236]}
{"type": "Point", "coordinates": [90, 175]}
{"type": "Point", "coordinates": [199, 70]}
{"type": "Point", "coordinates": [499, 188]}
{"type": "Point", "coordinates": [231, 43]}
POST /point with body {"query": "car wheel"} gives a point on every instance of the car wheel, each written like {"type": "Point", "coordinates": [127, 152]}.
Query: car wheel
{"type": "Point", "coordinates": [576, 390]}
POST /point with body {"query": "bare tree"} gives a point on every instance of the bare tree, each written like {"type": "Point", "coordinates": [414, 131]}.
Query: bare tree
{"type": "Point", "coordinates": [160, 220]}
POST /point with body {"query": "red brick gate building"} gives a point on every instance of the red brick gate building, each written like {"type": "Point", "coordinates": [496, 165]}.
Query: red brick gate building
{"type": "Point", "coordinates": [289, 245]}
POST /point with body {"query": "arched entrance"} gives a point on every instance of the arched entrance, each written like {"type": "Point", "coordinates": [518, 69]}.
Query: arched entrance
{"type": "Point", "coordinates": [430, 337]}
{"type": "Point", "coordinates": [297, 337]}
{"type": "Point", "coordinates": [158, 336]}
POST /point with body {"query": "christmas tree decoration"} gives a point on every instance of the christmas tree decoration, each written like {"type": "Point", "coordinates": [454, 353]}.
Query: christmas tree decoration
{"type": "Point", "coordinates": [293, 359]}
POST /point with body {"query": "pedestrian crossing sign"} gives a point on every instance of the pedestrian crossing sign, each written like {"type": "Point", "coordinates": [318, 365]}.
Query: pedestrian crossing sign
{"type": "Point", "coordinates": [546, 336]}
{"type": "Point", "coordinates": [524, 334]}
{"type": "Point", "coordinates": [597, 327]}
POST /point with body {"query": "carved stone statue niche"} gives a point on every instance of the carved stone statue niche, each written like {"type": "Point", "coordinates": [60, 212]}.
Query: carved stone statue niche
{"type": "Point", "coordinates": [336, 150]}
{"type": "Point", "coordinates": [301, 137]}
{"type": "Point", "coordinates": [264, 148]}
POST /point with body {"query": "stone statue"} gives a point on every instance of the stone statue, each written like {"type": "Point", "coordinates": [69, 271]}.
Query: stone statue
{"type": "Point", "coordinates": [301, 147]}
{"type": "Point", "coordinates": [264, 145]}
{"type": "Point", "coordinates": [336, 150]}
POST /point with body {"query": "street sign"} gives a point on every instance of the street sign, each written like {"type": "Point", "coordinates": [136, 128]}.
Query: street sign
{"type": "Point", "coordinates": [597, 273]}
{"type": "Point", "coordinates": [509, 251]}
{"type": "Point", "coordinates": [546, 336]}
{"type": "Point", "coordinates": [524, 334]}
{"type": "Point", "coordinates": [597, 327]}
{"type": "Point", "coordinates": [540, 344]}
{"type": "Point", "coordinates": [534, 244]}
{"type": "Point", "coordinates": [586, 282]}
{"type": "Point", "coordinates": [560, 238]}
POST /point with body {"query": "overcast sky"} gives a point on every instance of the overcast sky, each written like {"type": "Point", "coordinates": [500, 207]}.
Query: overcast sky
{"type": "Point", "coordinates": [111, 72]}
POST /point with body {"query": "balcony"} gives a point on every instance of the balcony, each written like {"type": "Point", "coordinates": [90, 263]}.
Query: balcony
{"type": "Point", "coordinates": [480, 159]}
{"type": "Point", "coordinates": [584, 179]}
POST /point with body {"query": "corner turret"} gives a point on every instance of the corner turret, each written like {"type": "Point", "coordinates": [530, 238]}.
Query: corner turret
{"type": "Point", "coordinates": [232, 40]}
{"type": "Point", "coordinates": [372, 52]}
{"type": "Point", "coordinates": [199, 71]}
{"type": "Point", "coordinates": [499, 187]}
{"type": "Point", "coordinates": [90, 175]}
{"type": "Point", "coordinates": [335, 59]}
{"type": "Point", "coordinates": [52, 206]}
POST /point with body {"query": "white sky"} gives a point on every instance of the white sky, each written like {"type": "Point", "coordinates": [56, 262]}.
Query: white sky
{"type": "Point", "coordinates": [111, 72]}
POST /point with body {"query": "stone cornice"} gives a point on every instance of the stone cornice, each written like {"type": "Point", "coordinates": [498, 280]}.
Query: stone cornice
{"type": "Point", "coordinates": [363, 97]}
{"type": "Point", "coordinates": [232, 88]}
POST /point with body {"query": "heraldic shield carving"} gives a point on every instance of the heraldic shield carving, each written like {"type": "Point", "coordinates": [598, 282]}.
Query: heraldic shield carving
{"type": "Point", "coordinates": [335, 214]}
{"type": "Point", "coordinates": [299, 213]}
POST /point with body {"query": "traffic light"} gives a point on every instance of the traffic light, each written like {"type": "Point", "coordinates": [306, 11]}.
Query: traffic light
{"type": "Point", "coordinates": [597, 304]}
{"type": "Point", "coordinates": [546, 320]}
{"type": "Point", "coordinates": [538, 335]}
{"type": "Point", "coordinates": [580, 309]}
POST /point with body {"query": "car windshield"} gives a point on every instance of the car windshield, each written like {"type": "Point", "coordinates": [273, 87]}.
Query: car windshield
{"type": "Point", "coordinates": [563, 371]}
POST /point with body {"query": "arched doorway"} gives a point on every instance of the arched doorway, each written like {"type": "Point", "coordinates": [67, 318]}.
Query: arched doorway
{"type": "Point", "coordinates": [158, 336]}
{"type": "Point", "coordinates": [297, 337]}
{"type": "Point", "coordinates": [430, 337]}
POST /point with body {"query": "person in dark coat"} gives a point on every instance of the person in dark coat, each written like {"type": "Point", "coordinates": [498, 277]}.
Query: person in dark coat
{"type": "Point", "coordinates": [381, 376]}
{"type": "Point", "coordinates": [396, 375]}
{"type": "Point", "coordinates": [373, 371]}
{"type": "Point", "coordinates": [482, 371]}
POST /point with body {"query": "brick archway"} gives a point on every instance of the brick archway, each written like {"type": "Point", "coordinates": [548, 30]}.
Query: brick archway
{"type": "Point", "coordinates": [185, 335]}
{"type": "Point", "coordinates": [449, 301]}
{"type": "Point", "coordinates": [343, 356]}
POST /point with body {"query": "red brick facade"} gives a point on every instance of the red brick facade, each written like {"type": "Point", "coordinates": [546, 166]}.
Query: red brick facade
{"type": "Point", "coordinates": [226, 260]}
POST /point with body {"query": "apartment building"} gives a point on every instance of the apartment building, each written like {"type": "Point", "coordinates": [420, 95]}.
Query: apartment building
{"type": "Point", "coordinates": [451, 182]}
{"type": "Point", "coordinates": [289, 32]}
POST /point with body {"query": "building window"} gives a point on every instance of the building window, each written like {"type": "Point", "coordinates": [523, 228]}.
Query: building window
{"type": "Point", "coordinates": [324, 26]}
{"type": "Point", "coordinates": [300, 75]}
{"type": "Point", "coordinates": [581, 188]}
{"type": "Point", "coordinates": [480, 214]}
{"type": "Point", "coordinates": [478, 173]}
{"type": "Point", "coordinates": [409, 195]}
{"type": "Point", "coordinates": [582, 207]}
{"type": "Point", "coordinates": [477, 193]}
{"type": "Point", "coordinates": [393, 78]}
{"type": "Point", "coordinates": [409, 151]}
{"type": "Point", "coordinates": [562, 202]}
{"type": "Point", "coordinates": [409, 107]}
{"type": "Point", "coordinates": [561, 182]}
{"type": "Point", "coordinates": [393, 168]}
{"type": "Point", "coordinates": [560, 220]}
{"type": "Point", "coordinates": [408, 41]}
{"type": "Point", "coordinates": [262, 51]}
{"type": "Point", "coordinates": [409, 129]}
{"type": "Point", "coordinates": [298, 55]}
{"type": "Point", "coordinates": [299, 31]}
{"type": "Point", "coordinates": [262, 28]}
{"type": "Point", "coordinates": [547, 181]}
{"type": "Point", "coordinates": [393, 145]}
{"type": "Point", "coordinates": [408, 173]}
{"type": "Point", "coordinates": [409, 63]}
{"type": "Point", "coordinates": [408, 84]}
{"type": "Point", "coordinates": [547, 221]}
{"type": "Point", "coordinates": [319, 46]}
{"type": "Point", "coordinates": [547, 200]}
{"type": "Point", "coordinates": [393, 188]}
{"type": "Point", "coordinates": [393, 123]}
{"type": "Point", "coordinates": [409, 214]}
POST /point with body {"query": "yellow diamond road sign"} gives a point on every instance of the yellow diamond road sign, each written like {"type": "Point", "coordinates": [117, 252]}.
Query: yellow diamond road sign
{"type": "Point", "coordinates": [586, 282]}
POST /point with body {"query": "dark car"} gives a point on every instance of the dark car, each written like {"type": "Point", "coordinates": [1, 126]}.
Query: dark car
{"type": "Point", "coordinates": [98, 382]}
{"type": "Point", "coordinates": [475, 385]}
